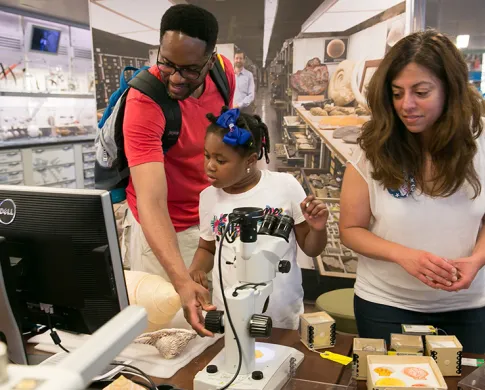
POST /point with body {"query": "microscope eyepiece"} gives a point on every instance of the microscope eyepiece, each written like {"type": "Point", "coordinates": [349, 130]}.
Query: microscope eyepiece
{"type": "Point", "coordinates": [284, 227]}
{"type": "Point", "coordinates": [269, 224]}
{"type": "Point", "coordinates": [247, 218]}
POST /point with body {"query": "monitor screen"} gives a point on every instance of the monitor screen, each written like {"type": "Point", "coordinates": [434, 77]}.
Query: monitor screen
{"type": "Point", "coordinates": [45, 39]}
{"type": "Point", "coordinates": [58, 249]}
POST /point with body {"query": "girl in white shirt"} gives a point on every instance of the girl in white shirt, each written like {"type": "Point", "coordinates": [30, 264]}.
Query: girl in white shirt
{"type": "Point", "coordinates": [234, 143]}
{"type": "Point", "coordinates": [413, 202]}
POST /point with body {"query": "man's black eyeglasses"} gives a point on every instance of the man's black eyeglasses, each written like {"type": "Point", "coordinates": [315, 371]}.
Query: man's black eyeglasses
{"type": "Point", "coordinates": [187, 73]}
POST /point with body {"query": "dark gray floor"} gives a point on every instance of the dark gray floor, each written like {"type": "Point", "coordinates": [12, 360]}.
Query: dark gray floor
{"type": "Point", "coordinates": [269, 117]}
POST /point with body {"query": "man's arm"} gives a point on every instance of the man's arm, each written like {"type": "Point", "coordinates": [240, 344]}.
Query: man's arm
{"type": "Point", "coordinates": [155, 219]}
{"type": "Point", "coordinates": [150, 185]}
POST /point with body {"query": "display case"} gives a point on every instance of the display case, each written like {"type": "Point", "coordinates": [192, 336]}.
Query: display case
{"type": "Point", "coordinates": [107, 72]}
{"type": "Point", "coordinates": [47, 101]}
{"type": "Point", "coordinates": [47, 83]}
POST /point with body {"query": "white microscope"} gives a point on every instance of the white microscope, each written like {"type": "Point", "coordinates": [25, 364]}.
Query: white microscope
{"type": "Point", "coordinates": [245, 364]}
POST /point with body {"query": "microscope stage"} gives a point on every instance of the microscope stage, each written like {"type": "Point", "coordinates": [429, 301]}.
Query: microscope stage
{"type": "Point", "coordinates": [272, 360]}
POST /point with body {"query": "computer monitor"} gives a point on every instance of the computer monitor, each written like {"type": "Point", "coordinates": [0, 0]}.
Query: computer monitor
{"type": "Point", "coordinates": [45, 39]}
{"type": "Point", "coordinates": [59, 250]}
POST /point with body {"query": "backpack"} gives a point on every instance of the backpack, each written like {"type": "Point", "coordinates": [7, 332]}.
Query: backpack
{"type": "Point", "coordinates": [111, 171]}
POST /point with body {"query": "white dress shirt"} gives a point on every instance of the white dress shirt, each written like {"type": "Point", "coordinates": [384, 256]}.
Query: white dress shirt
{"type": "Point", "coordinates": [244, 94]}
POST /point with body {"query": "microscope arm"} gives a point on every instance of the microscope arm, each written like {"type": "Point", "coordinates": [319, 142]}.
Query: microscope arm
{"type": "Point", "coordinates": [77, 369]}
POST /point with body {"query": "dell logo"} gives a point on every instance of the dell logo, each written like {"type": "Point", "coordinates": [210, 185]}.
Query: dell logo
{"type": "Point", "coordinates": [8, 210]}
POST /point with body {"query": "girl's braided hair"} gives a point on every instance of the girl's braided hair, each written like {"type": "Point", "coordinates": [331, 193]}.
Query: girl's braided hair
{"type": "Point", "coordinates": [259, 143]}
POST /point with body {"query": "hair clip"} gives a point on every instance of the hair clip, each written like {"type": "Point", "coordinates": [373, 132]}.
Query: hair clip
{"type": "Point", "coordinates": [236, 135]}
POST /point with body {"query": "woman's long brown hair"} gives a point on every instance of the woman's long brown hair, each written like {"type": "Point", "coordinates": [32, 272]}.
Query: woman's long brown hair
{"type": "Point", "coordinates": [395, 152]}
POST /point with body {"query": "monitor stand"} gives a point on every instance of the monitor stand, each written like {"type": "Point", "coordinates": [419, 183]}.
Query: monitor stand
{"type": "Point", "coordinates": [10, 333]}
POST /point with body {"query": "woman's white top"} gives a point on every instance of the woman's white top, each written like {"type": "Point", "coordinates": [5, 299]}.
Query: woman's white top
{"type": "Point", "coordinates": [447, 227]}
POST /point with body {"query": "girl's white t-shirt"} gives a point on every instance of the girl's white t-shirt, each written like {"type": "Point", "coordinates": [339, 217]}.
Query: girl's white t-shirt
{"type": "Point", "coordinates": [447, 227]}
{"type": "Point", "coordinates": [276, 193]}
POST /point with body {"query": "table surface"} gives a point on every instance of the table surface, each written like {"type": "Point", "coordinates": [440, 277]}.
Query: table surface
{"type": "Point", "coordinates": [312, 368]}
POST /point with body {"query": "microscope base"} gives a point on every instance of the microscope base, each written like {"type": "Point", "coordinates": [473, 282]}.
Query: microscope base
{"type": "Point", "coordinates": [274, 364]}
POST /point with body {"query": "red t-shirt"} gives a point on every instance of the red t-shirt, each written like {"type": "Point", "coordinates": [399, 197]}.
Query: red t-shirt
{"type": "Point", "coordinates": [143, 127]}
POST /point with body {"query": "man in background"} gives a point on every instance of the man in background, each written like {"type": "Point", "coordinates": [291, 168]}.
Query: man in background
{"type": "Point", "coordinates": [244, 96]}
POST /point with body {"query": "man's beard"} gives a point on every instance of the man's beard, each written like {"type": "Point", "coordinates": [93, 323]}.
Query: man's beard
{"type": "Point", "coordinates": [190, 90]}
{"type": "Point", "coordinates": [238, 65]}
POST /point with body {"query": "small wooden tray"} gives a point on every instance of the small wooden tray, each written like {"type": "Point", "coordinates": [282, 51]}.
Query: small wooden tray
{"type": "Point", "coordinates": [310, 171]}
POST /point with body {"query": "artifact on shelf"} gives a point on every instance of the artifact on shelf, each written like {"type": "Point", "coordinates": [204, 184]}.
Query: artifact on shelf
{"type": "Point", "coordinates": [312, 80]}
{"type": "Point", "coordinates": [297, 138]}
{"type": "Point", "coordinates": [305, 146]}
{"type": "Point", "coordinates": [317, 111]}
{"type": "Point", "coordinates": [340, 88]}
{"type": "Point", "coordinates": [291, 150]}
{"type": "Point", "coordinates": [350, 266]}
{"type": "Point", "coordinates": [333, 263]}
{"type": "Point", "coordinates": [54, 81]}
{"type": "Point", "coordinates": [351, 138]}
{"type": "Point", "coordinates": [327, 193]}
{"type": "Point", "coordinates": [322, 180]}
{"type": "Point", "coordinates": [330, 109]}
{"type": "Point", "coordinates": [337, 121]}
{"type": "Point", "coordinates": [338, 110]}
{"type": "Point", "coordinates": [33, 130]}
{"type": "Point", "coordinates": [279, 150]}
{"type": "Point", "coordinates": [292, 120]}
{"type": "Point", "coordinates": [362, 111]}
{"type": "Point", "coordinates": [321, 104]}
{"type": "Point", "coordinates": [344, 131]}
{"type": "Point", "coordinates": [69, 130]}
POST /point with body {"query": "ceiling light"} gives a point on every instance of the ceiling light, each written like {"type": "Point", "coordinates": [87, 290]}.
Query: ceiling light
{"type": "Point", "coordinates": [270, 9]}
{"type": "Point", "coordinates": [462, 41]}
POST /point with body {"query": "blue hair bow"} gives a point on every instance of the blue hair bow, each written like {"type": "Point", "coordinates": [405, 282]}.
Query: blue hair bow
{"type": "Point", "coordinates": [236, 135]}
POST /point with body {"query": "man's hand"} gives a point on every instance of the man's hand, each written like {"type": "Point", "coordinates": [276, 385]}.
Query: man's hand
{"type": "Point", "coordinates": [468, 268]}
{"type": "Point", "coordinates": [194, 299]}
{"type": "Point", "coordinates": [200, 277]}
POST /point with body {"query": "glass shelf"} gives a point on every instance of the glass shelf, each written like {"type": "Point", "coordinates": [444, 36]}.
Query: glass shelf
{"type": "Point", "coordinates": [48, 95]}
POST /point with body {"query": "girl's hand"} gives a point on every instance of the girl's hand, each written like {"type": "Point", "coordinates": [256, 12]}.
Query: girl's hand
{"type": "Point", "coordinates": [315, 213]}
{"type": "Point", "coordinates": [200, 277]}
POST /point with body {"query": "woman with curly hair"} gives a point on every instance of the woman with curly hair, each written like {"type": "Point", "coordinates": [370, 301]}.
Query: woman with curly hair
{"type": "Point", "coordinates": [412, 202]}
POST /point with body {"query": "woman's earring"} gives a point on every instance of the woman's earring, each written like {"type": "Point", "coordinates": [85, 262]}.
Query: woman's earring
{"type": "Point", "coordinates": [248, 170]}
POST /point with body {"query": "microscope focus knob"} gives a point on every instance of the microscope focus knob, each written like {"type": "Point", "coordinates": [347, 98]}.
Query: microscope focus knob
{"type": "Point", "coordinates": [260, 326]}
{"type": "Point", "coordinates": [284, 266]}
{"type": "Point", "coordinates": [214, 321]}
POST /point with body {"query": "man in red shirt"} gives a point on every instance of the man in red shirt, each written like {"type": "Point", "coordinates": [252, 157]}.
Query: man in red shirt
{"type": "Point", "coordinates": [161, 231]}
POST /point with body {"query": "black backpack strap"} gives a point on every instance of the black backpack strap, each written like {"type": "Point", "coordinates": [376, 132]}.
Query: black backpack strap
{"type": "Point", "coordinates": [151, 86]}
{"type": "Point", "coordinates": [219, 77]}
